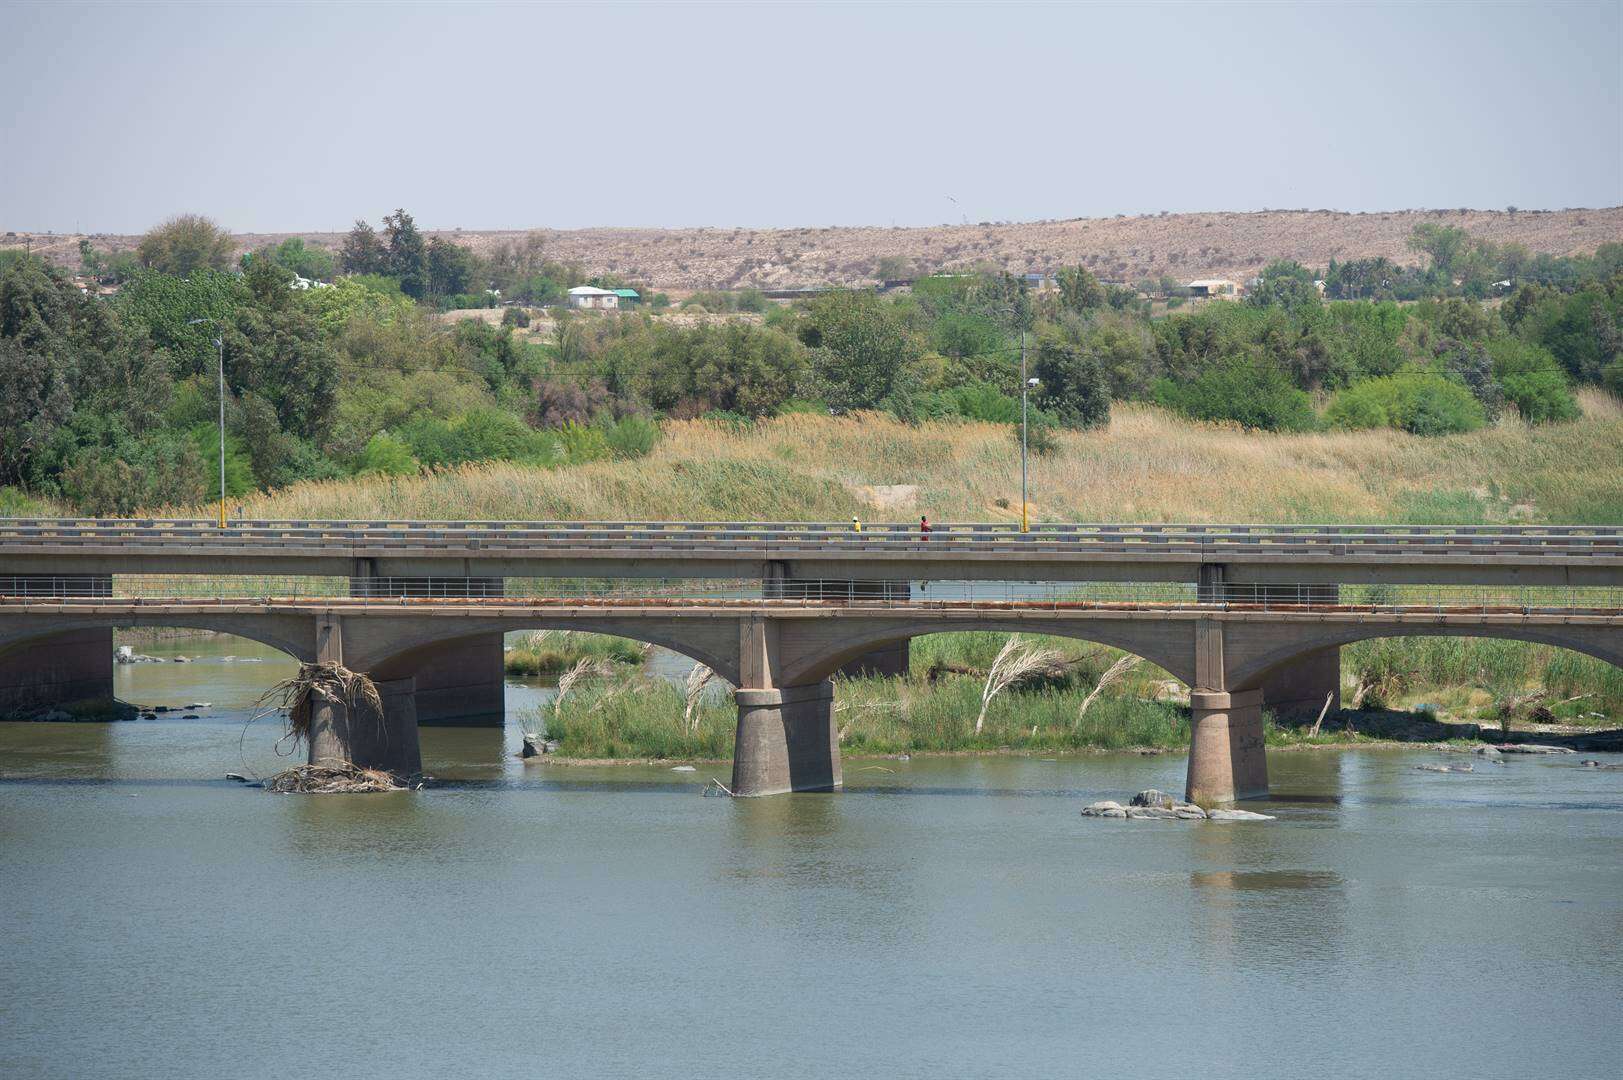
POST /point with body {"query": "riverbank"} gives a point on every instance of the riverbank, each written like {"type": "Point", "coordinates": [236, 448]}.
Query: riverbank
{"type": "Point", "coordinates": [625, 716]}
{"type": "Point", "coordinates": [1148, 465]}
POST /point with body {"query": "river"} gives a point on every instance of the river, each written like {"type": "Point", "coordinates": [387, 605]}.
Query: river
{"type": "Point", "coordinates": [940, 917]}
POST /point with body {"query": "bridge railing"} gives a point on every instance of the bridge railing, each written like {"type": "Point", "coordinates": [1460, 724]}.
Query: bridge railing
{"type": "Point", "coordinates": [136, 590]}
{"type": "Point", "coordinates": [769, 538]}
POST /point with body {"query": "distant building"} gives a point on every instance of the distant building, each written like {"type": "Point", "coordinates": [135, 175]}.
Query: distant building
{"type": "Point", "coordinates": [589, 296]}
{"type": "Point", "coordinates": [628, 297]}
{"type": "Point", "coordinates": [1214, 289]}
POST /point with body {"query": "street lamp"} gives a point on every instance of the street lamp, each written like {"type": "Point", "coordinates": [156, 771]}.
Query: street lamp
{"type": "Point", "coordinates": [1026, 386]}
{"type": "Point", "coordinates": [219, 343]}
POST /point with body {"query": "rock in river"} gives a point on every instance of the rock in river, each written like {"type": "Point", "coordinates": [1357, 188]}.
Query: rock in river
{"type": "Point", "coordinates": [1444, 768]}
{"type": "Point", "coordinates": [1153, 798]}
{"type": "Point", "coordinates": [1236, 815]}
{"type": "Point", "coordinates": [1104, 809]}
{"type": "Point", "coordinates": [1533, 748]}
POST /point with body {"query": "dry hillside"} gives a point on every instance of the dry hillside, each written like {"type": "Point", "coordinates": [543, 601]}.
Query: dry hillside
{"type": "Point", "coordinates": [1117, 249]}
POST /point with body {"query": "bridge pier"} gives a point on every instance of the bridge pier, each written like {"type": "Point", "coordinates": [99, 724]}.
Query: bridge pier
{"type": "Point", "coordinates": [786, 741]}
{"type": "Point", "coordinates": [1227, 760]}
{"type": "Point", "coordinates": [464, 683]}
{"type": "Point", "coordinates": [387, 742]}
{"type": "Point", "coordinates": [73, 666]}
{"type": "Point", "coordinates": [786, 738]}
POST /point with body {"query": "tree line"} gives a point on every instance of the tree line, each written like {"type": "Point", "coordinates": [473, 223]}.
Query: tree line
{"type": "Point", "coordinates": [109, 404]}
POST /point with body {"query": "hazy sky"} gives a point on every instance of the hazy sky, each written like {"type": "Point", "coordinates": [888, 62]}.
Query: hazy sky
{"type": "Point", "coordinates": [302, 117]}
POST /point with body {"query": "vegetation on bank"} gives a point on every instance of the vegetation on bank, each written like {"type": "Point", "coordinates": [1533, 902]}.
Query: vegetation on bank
{"type": "Point", "coordinates": [1147, 465]}
{"type": "Point", "coordinates": [553, 652]}
{"type": "Point", "coordinates": [1077, 696]}
{"type": "Point", "coordinates": [335, 366]}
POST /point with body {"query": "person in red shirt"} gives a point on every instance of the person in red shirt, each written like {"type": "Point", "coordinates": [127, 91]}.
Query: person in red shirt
{"type": "Point", "coordinates": [924, 527]}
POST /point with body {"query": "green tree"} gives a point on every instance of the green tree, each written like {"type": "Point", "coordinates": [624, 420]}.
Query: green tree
{"type": "Point", "coordinates": [1079, 290]}
{"type": "Point", "coordinates": [450, 268]}
{"type": "Point", "coordinates": [315, 263]}
{"type": "Point", "coordinates": [388, 455]}
{"type": "Point", "coordinates": [407, 258]}
{"type": "Point", "coordinates": [1284, 284]}
{"type": "Point", "coordinates": [1072, 382]}
{"type": "Point", "coordinates": [1533, 380]}
{"type": "Point", "coordinates": [363, 252]}
{"type": "Point", "coordinates": [1251, 393]}
{"type": "Point", "coordinates": [1419, 402]}
{"type": "Point", "coordinates": [186, 243]}
{"type": "Point", "coordinates": [1443, 244]}
{"type": "Point", "coordinates": [864, 350]}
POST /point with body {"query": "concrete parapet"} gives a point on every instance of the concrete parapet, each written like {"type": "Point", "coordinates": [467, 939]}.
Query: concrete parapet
{"type": "Point", "coordinates": [786, 741]}
{"type": "Point", "coordinates": [1227, 760]}
{"type": "Point", "coordinates": [387, 742]}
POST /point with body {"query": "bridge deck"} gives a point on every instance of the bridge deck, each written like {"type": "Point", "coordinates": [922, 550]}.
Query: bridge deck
{"type": "Point", "coordinates": [1548, 555]}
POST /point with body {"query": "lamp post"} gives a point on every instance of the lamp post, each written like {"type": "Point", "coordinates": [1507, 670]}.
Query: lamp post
{"type": "Point", "coordinates": [1026, 386]}
{"type": "Point", "coordinates": [219, 343]}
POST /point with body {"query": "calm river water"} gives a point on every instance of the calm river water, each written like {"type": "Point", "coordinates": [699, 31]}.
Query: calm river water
{"type": "Point", "coordinates": [938, 918]}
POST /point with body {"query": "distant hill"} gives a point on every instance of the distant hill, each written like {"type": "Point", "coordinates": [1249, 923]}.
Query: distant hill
{"type": "Point", "coordinates": [1116, 249]}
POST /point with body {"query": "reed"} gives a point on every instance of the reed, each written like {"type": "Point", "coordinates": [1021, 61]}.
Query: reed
{"type": "Point", "coordinates": [1148, 465]}
{"type": "Point", "coordinates": [550, 653]}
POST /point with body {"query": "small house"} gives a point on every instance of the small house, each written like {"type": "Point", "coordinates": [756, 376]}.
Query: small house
{"type": "Point", "coordinates": [585, 297]}
{"type": "Point", "coordinates": [628, 297]}
{"type": "Point", "coordinates": [1214, 289]}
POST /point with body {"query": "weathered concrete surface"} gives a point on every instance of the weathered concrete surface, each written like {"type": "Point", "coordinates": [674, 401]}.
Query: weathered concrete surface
{"type": "Point", "coordinates": [387, 741]}
{"type": "Point", "coordinates": [463, 684]}
{"type": "Point", "coordinates": [1227, 760]}
{"type": "Point", "coordinates": [1297, 690]}
{"type": "Point", "coordinates": [786, 741]}
{"type": "Point", "coordinates": [74, 665]}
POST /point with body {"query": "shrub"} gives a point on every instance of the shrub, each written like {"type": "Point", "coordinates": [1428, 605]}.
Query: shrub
{"type": "Point", "coordinates": [515, 317]}
{"type": "Point", "coordinates": [479, 435]}
{"type": "Point", "coordinates": [631, 436]}
{"type": "Point", "coordinates": [1533, 379]}
{"type": "Point", "coordinates": [386, 454]}
{"type": "Point", "coordinates": [983, 401]}
{"type": "Point", "coordinates": [1248, 392]}
{"type": "Point", "coordinates": [1419, 402]}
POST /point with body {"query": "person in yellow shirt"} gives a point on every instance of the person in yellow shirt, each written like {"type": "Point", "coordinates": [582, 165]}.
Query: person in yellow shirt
{"type": "Point", "coordinates": [856, 526]}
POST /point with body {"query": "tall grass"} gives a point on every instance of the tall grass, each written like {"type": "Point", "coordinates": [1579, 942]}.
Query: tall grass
{"type": "Point", "coordinates": [1399, 669]}
{"type": "Point", "coordinates": [1146, 466]}
{"type": "Point", "coordinates": [552, 652]}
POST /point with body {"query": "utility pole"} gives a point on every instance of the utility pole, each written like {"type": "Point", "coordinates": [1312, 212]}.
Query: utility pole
{"type": "Point", "coordinates": [1025, 385]}
{"type": "Point", "coordinates": [219, 343]}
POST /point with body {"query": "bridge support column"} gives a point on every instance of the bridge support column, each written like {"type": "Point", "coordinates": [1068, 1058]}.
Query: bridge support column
{"type": "Point", "coordinates": [1227, 760]}
{"type": "Point", "coordinates": [387, 742]}
{"type": "Point", "coordinates": [786, 741]}
{"type": "Point", "coordinates": [464, 683]}
{"type": "Point", "coordinates": [74, 666]}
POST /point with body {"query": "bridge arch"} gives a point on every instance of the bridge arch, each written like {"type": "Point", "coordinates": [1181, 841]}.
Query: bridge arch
{"type": "Point", "coordinates": [293, 637]}
{"type": "Point", "coordinates": [1169, 645]}
{"type": "Point", "coordinates": [403, 655]}
{"type": "Point", "coordinates": [1250, 671]}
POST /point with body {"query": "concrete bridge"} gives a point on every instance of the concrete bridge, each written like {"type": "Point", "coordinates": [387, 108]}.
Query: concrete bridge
{"type": "Point", "coordinates": [1250, 617]}
{"type": "Point", "coordinates": [781, 655]}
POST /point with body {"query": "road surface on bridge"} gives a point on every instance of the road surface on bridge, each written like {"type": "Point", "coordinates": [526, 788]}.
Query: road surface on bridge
{"type": "Point", "coordinates": [1547, 555]}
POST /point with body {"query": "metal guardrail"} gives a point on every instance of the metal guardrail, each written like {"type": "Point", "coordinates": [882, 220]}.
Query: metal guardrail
{"type": "Point", "coordinates": [532, 538]}
{"type": "Point", "coordinates": [474, 593]}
